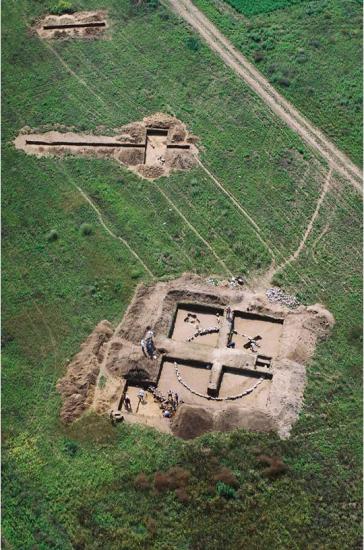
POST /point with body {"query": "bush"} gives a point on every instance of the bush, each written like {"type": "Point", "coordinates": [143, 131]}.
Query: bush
{"type": "Point", "coordinates": [226, 476]}
{"type": "Point", "coordinates": [193, 43]}
{"type": "Point", "coordinates": [102, 382]}
{"type": "Point", "coordinates": [355, 335]}
{"type": "Point", "coordinates": [141, 482]}
{"type": "Point", "coordinates": [52, 235]}
{"type": "Point", "coordinates": [175, 478]}
{"type": "Point", "coordinates": [258, 56]}
{"type": "Point", "coordinates": [86, 229]}
{"type": "Point", "coordinates": [182, 495]}
{"type": "Point", "coordinates": [70, 447]}
{"type": "Point", "coordinates": [135, 274]}
{"type": "Point", "coordinates": [275, 465]}
{"type": "Point", "coordinates": [61, 7]}
{"type": "Point", "coordinates": [225, 491]}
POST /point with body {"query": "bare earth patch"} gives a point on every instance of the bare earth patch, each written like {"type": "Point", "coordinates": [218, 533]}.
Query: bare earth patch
{"type": "Point", "coordinates": [83, 24]}
{"type": "Point", "coordinates": [238, 367]}
{"type": "Point", "coordinates": [151, 148]}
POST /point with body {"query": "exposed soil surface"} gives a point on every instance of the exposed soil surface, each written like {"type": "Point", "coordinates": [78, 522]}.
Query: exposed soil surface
{"type": "Point", "coordinates": [83, 24]}
{"type": "Point", "coordinates": [78, 385]}
{"type": "Point", "coordinates": [219, 387]}
{"type": "Point", "coordinates": [269, 332]}
{"type": "Point", "coordinates": [151, 148]}
{"type": "Point", "coordinates": [279, 105]}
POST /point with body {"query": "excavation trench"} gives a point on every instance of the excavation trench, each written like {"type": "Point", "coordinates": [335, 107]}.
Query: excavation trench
{"type": "Point", "coordinates": [152, 148]}
{"type": "Point", "coordinates": [74, 26]}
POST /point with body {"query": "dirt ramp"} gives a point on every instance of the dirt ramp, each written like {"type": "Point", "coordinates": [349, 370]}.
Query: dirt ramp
{"type": "Point", "coordinates": [77, 386]}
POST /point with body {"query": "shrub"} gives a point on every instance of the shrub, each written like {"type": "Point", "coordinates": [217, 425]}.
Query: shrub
{"type": "Point", "coordinates": [182, 495]}
{"type": "Point", "coordinates": [275, 465]}
{"type": "Point", "coordinates": [70, 447]}
{"type": "Point", "coordinates": [61, 7]}
{"type": "Point", "coordinates": [193, 43]}
{"type": "Point", "coordinates": [225, 491]}
{"type": "Point", "coordinates": [86, 229]}
{"type": "Point", "coordinates": [355, 335]}
{"type": "Point", "coordinates": [258, 56]}
{"type": "Point", "coordinates": [52, 235]}
{"type": "Point", "coordinates": [135, 274]}
{"type": "Point", "coordinates": [141, 482]}
{"type": "Point", "coordinates": [102, 382]}
{"type": "Point", "coordinates": [226, 476]}
{"type": "Point", "coordinates": [175, 478]}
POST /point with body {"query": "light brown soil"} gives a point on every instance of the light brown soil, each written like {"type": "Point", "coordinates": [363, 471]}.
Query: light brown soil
{"type": "Point", "coordinates": [71, 25]}
{"type": "Point", "coordinates": [279, 105]}
{"type": "Point", "coordinates": [184, 329]}
{"type": "Point", "coordinates": [270, 335]}
{"type": "Point", "coordinates": [136, 146]}
{"type": "Point", "coordinates": [78, 385]}
{"type": "Point", "coordinates": [276, 398]}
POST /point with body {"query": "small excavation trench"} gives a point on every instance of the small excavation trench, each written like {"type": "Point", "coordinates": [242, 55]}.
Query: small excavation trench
{"type": "Point", "coordinates": [151, 148]}
{"type": "Point", "coordinates": [79, 25]}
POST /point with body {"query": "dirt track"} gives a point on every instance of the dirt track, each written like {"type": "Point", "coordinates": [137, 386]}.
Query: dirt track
{"type": "Point", "coordinates": [280, 106]}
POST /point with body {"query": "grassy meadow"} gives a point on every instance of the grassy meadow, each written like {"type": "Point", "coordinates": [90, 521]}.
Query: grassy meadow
{"type": "Point", "coordinates": [310, 51]}
{"type": "Point", "coordinates": [77, 487]}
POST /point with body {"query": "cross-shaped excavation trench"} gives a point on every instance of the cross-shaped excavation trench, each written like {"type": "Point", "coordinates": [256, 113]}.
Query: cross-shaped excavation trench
{"type": "Point", "coordinates": [218, 354]}
{"type": "Point", "coordinates": [150, 150]}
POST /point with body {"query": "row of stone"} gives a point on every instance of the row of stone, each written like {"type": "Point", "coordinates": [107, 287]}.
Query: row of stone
{"type": "Point", "coordinates": [202, 332]}
{"type": "Point", "coordinates": [229, 398]}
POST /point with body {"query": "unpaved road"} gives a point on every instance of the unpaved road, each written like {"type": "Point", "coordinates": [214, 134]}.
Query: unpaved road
{"type": "Point", "coordinates": [280, 106]}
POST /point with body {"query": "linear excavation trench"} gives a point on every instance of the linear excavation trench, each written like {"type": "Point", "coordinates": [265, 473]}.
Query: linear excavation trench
{"type": "Point", "coordinates": [61, 26]}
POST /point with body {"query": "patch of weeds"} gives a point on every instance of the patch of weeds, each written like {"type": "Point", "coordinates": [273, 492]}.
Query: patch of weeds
{"type": "Point", "coordinates": [102, 382]}
{"type": "Point", "coordinates": [136, 274]}
{"type": "Point", "coordinates": [225, 491]}
{"type": "Point", "coordinates": [175, 478]}
{"type": "Point", "coordinates": [141, 482]}
{"type": "Point", "coordinates": [355, 335]}
{"type": "Point", "coordinates": [62, 7]}
{"type": "Point", "coordinates": [70, 447]}
{"type": "Point", "coordinates": [193, 43]}
{"type": "Point", "coordinates": [52, 235]}
{"type": "Point", "coordinates": [86, 229]}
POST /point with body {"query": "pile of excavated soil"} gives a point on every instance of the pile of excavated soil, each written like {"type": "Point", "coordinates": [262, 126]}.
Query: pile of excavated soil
{"type": "Point", "coordinates": [151, 148]}
{"type": "Point", "coordinates": [273, 404]}
{"type": "Point", "coordinates": [83, 24]}
{"type": "Point", "coordinates": [78, 385]}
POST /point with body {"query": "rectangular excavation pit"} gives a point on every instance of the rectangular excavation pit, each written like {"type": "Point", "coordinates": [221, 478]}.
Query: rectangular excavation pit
{"type": "Point", "coordinates": [235, 382]}
{"type": "Point", "coordinates": [189, 318]}
{"type": "Point", "coordinates": [156, 145]}
{"type": "Point", "coordinates": [250, 325]}
{"type": "Point", "coordinates": [194, 373]}
{"type": "Point", "coordinates": [62, 26]}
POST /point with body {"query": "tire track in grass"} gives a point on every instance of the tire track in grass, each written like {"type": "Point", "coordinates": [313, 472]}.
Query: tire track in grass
{"type": "Point", "coordinates": [101, 220]}
{"type": "Point", "coordinates": [256, 227]}
{"type": "Point", "coordinates": [306, 234]}
{"type": "Point", "coordinates": [108, 230]}
{"type": "Point", "coordinates": [189, 224]}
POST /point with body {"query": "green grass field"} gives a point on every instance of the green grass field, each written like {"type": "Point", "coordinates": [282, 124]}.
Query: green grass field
{"type": "Point", "coordinates": [310, 51]}
{"type": "Point", "coordinates": [74, 487]}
